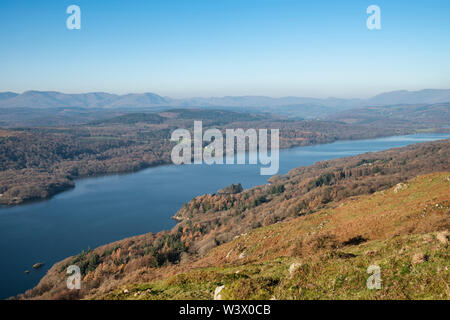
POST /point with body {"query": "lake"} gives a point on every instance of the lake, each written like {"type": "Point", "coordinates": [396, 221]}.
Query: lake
{"type": "Point", "coordinates": [105, 209]}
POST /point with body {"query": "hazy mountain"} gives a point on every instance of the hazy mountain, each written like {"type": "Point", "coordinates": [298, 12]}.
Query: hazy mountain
{"type": "Point", "coordinates": [410, 97]}
{"type": "Point", "coordinates": [143, 100]}
{"type": "Point", "coordinates": [432, 115]}
{"type": "Point", "coordinates": [247, 101]}
{"type": "Point", "coordinates": [52, 99]}
{"type": "Point", "coordinates": [7, 95]}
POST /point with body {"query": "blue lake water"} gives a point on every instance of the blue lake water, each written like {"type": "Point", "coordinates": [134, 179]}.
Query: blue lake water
{"type": "Point", "coordinates": [106, 209]}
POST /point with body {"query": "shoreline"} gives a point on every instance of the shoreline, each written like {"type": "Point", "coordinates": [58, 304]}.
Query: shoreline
{"type": "Point", "coordinates": [171, 228]}
{"type": "Point", "coordinates": [4, 205]}
{"type": "Point", "coordinates": [174, 227]}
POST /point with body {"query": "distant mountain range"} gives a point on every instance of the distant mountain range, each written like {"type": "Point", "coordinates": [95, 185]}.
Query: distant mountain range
{"type": "Point", "coordinates": [429, 115]}
{"type": "Point", "coordinates": [52, 99]}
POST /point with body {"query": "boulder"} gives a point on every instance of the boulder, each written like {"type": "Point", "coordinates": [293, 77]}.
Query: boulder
{"type": "Point", "coordinates": [294, 267]}
{"type": "Point", "coordinates": [442, 237]}
{"type": "Point", "coordinates": [38, 265]}
{"type": "Point", "coordinates": [399, 187]}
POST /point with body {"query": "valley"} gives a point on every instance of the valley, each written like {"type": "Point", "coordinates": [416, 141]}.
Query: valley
{"type": "Point", "coordinates": [39, 162]}
{"type": "Point", "coordinates": [328, 197]}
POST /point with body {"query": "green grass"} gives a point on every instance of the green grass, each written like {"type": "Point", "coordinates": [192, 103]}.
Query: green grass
{"type": "Point", "coordinates": [328, 276]}
{"type": "Point", "coordinates": [330, 269]}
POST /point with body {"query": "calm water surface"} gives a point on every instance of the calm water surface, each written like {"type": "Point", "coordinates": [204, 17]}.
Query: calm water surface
{"type": "Point", "coordinates": [106, 209]}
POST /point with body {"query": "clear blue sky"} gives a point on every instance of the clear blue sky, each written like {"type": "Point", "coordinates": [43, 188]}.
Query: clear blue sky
{"type": "Point", "coordinates": [184, 48]}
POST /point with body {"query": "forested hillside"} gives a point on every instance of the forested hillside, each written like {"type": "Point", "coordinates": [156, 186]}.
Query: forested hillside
{"type": "Point", "coordinates": [327, 217]}
{"type": "Point", "coordinates": [36, 163]}
{"type": "Point", "coordinates": [403, 231]}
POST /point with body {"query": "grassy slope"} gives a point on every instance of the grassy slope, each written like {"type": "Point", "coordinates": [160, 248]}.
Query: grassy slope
{"type": "Point", "coordinates": [405, 233]}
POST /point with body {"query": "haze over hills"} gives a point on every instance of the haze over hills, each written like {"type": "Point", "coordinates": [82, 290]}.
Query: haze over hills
{"type": "Point", "coordinates": [437, 114]}
{"type": "Point", "coordinates": [53, 99]}
{"type": "Point", "coordinates": [7, 95]}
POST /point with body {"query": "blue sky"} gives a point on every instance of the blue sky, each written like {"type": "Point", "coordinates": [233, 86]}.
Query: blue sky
{"type": "Point", "coordinates": [184, 48]}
